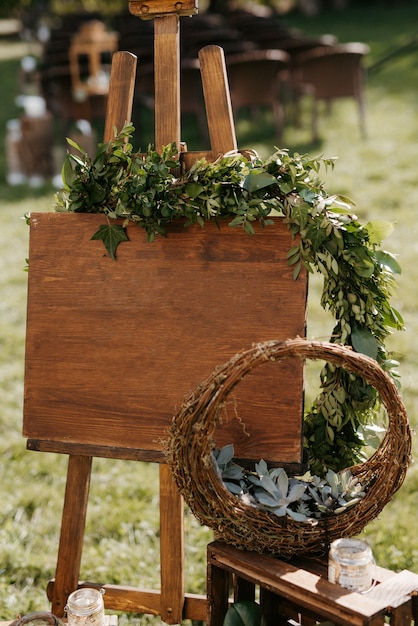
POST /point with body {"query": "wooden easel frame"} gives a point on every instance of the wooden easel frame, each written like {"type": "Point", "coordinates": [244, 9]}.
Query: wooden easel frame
{"type": "Point", "coordinates": [170, 602]}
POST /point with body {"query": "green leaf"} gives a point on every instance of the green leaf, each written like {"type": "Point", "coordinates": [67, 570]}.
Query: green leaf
{"type": "Point", "coordinates": [67, 172]}
{"type": "Point", "coordinates": [194, 189]}
{"type": "Point", "coordinates": [258, 179]}
{"type": "Point", "coordinates": [378, 230]}
{"type": "Point", "coordinates": [308, 195]}
{"type": "Point", "coordinates": [243, 613]}
{"type": "Point", "coordinates": [237, 221]}
{"type": "Point", "coordinates": [111, 235]}
{"type": "Point", "coordinates": [75, 145]}
{"type": "Point", "coordinates": [363, 341]}
{"type": "Point", "coordinates": [388, 261]}
{"type": "Point", "coordinates": [225, 455]}
{"type": "Point", "coordinates": [296, 270]}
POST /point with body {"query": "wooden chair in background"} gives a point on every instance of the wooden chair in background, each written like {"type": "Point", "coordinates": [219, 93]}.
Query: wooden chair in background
{"type": "Point", "coordinates": [256, 80]}
{"type": "Point", "coordinates": [329, 73]}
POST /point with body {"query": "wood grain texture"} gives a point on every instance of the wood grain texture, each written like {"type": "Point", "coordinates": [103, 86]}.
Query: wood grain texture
{"type": "Point", "coordinates": [113, 347]}
{"type": "Point", "coordinates": [72, 531]}
{"type": "Point", "coordinates": [217, 100]}
{"type": "Point", "coordinates": [293, 585]}
{"type": "Point", "coordinates": [135, 600]}
{"type": "Point", "coordinates": [167, 80]}
{"type": "Point", "coordinates": [154, 8]}
{"type": "Point", "coordinates": [121, 93]}
{"type": "Point", "coordinates": [171, 549]}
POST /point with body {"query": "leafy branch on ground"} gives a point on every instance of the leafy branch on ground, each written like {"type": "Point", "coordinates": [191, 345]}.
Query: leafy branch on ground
{"type": "Point", "coordinates": [358, 276]}
{"type": "Point", "coordinates": [303, 498]}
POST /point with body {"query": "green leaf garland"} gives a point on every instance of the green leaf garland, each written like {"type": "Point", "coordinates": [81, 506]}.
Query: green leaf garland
{"type": "Point", "coordinates": [358, 276]}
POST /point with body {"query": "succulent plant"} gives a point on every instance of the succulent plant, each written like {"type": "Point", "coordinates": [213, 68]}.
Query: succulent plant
{"type": "Point", "coordinates": [303, 498]}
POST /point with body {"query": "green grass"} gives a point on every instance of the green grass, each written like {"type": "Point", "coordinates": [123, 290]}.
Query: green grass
{"type": "Point", "coordinates": [122, 530]}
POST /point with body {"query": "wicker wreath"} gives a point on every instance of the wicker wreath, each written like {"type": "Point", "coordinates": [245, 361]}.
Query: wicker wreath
{"type": "Point", "coordinates": [190, 443]}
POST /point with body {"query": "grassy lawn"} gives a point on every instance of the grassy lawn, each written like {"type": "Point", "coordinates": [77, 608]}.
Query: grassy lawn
{"type": "Point", "coordinates": [122, 532]}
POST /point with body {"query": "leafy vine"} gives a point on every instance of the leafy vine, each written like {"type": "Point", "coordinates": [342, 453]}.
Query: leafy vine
{"type": "Point", "coordinates": [358, 276]}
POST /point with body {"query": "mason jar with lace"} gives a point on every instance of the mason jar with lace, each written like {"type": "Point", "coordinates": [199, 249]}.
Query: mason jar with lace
{"type": "Point", "coordinates": [85, 607]}
{"type": "Point", "coordinates": [351, 564]}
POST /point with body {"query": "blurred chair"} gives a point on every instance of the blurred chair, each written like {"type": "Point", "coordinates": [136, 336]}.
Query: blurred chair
{"type": "Point", "coordinates": [329, 73]}
{"type": "Point", "coordinates": [256, 79]}
{"type": "Point", "coordinates": [207, 30]}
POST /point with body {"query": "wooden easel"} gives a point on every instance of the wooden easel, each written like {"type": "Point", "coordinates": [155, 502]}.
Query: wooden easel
{"type": "Point", "coordinates": [60, 293]}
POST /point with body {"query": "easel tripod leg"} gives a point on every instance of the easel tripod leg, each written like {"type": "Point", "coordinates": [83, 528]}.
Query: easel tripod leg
{"type": "Point", "coordinates": [72, 531]}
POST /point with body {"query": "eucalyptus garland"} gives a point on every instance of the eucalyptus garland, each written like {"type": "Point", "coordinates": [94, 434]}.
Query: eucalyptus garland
{"type": "Point", "coordinates": [358, 276]}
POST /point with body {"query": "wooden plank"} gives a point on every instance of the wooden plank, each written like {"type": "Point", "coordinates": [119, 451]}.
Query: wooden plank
{"type": "Point", "coordinates": [121, 93]}
{"type": "Point", "coordinates": [167, 80]}
{"type": "Point", "coordinates": [147, 9]}
{"type": "Point", "coordinates": [195, 607]}
{"type": "Point", "coordinates": [167, 130]}
{"type": "Point", "coordinates": [135, 600]}
{"type": "Point", "coordinates": [217, 100]}
{"type": "Point", "coordinates": [217, 589]}
{"type": "Point", "coordinates": [171, 549]}
{"type": "Point", "coordinates": [72, 531]}
{"type": "Point", "coordinates": [271, 605]}
{"type": "Point", "coordinates": [125, 341]}
{"type": "Point", "coordinates": [188, 158]}
{"type": "Point", "coordinates": [402, 614]}
{"type": "Point", "coordinates": [105, 452]}
{"type": "Point", "coordinates": [300, 587]}
{"type": "Point", "coordinates": [414, 602]}
{"type": "Point", "coordinates": [243, 589]}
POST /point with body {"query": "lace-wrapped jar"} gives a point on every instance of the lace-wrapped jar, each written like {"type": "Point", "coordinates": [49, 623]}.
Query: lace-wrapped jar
{"type": "Point", "coordinates": [85, 607]}
{"type": "Point", "coordinates": [351, 564]}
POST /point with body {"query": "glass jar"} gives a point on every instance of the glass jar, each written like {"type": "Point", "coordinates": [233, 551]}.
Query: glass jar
{"type": "Point", "coordinates": [85, 607]}
{"type": "Point", "coordinates": [351, 564]}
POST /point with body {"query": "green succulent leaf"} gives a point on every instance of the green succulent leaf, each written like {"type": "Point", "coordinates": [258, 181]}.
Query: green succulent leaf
{"type": "Point", "coordinates": [302, 498]}
{"type": "Point", "coordinates": [225, 455]}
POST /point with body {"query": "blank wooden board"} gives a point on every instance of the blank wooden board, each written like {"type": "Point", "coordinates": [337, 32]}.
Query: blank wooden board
{"type": "Point", "coordinates": [113, 347]}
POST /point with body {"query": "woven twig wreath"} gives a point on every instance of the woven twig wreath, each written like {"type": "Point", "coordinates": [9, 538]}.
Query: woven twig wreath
{"type": "Point", "coordinates": [190, 444]}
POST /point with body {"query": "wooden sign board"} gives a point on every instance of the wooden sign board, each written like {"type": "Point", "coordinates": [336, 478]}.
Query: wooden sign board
{"type": "Point", "coordinates": [113, 347]}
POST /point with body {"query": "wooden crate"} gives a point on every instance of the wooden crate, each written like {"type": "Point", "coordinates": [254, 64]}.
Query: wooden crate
{"type": "Point", "coordinates": [298, 591]}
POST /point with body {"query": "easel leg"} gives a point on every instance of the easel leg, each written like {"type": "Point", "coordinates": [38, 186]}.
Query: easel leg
{"type": "Point", "coordinates": [217, 100]}
{"type": "Point", "coordinates": [172, 549]}
{"type": "Point", "coordinates": [72, 531]}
